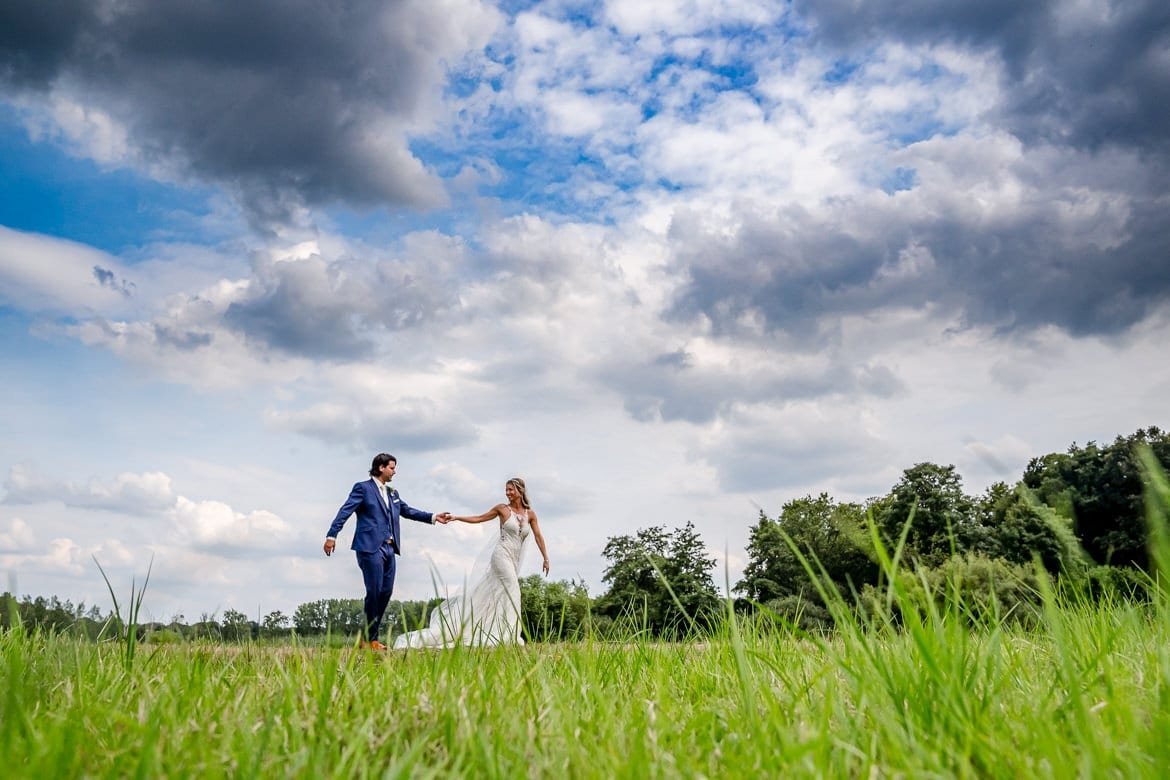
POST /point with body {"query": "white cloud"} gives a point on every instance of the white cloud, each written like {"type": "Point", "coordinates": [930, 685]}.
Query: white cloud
{"type": "Point", "coordinates": [85, 130]}
{"type": "Point", "coordinates": [1006, 455]}
{"type": "Point", "coordinates": [802, 447]}
{"type": "Point", "coordinates": [684, 17]}
{"type": "Point", "coordinates": [19, 537]}
{"type": "Point", "coordinates": [460, 484]}
{"type": "Point", "coordinates": [63, 556]}
{"type": "Point", "coordinates": [143, 500]}
{"type": "Point", "coordinates": [145, 493]}
{"type": "Point", "coordinates": [43, 274]}
{"type": "Point", "coordinates": [113, 553]}
{"type": "Point", "coordinates": [213, 526]}
{"type": "Point", "coordinates": [385, 409]}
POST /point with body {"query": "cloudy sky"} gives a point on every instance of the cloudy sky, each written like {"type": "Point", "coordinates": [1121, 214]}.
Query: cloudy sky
{"type": "Point", "coordinates": [672, 260]}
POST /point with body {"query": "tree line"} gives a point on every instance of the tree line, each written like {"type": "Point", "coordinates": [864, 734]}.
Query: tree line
{"type": "Point", "coordinates": [1078, 515]}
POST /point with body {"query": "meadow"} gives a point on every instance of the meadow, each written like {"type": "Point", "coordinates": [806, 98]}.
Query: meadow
{"type": "Point", "coordinates": [915, 688]}
{"type": "Point", "coordinates": [1082, 694]}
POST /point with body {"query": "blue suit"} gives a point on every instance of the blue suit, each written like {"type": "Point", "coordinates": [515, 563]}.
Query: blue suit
{"type": "Point", "coordinates": [376, 541]}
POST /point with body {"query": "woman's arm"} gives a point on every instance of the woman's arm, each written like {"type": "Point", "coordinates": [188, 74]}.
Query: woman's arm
{"type": "Point", "coordinates": [539, 539]}
{"type": "Point", "coordinates": [488, 515]}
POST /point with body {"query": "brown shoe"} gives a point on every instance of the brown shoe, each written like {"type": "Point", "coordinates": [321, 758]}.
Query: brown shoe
{"type": "Point", "coordinates": [376, 645]}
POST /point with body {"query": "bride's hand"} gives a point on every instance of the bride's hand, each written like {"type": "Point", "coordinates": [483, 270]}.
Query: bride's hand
{"type": "Point", "coordinates": [545, 567]}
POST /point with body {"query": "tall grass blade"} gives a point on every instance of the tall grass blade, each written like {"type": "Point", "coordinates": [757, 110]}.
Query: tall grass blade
{"type": "Point", "coordinates": [127, 630]}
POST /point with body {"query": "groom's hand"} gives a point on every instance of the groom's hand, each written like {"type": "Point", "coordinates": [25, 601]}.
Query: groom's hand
{"type": "Point", "coordinates": [329, 545]}
{"type": "Point", "coordinates": [443, 518]}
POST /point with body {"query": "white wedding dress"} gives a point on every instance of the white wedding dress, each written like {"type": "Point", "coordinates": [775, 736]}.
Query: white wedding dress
{"type": "Point", "coordinates": [488, 612]}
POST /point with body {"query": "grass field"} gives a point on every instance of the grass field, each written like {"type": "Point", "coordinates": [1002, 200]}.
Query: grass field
{"type": "Point", "coordinates": [1083, 690]}
{"type": "Point", "coordinates": [1083, 695]}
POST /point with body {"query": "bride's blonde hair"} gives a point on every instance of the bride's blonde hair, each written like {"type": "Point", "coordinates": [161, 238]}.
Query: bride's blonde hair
{"type": "Point", "coordinates": [518, 483]}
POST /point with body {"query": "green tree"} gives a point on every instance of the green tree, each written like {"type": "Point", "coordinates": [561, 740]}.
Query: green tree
{"type": "Point", "coordinates": [333, 616]}
{"type": "Point", "coordinates": [275, 624]}
{"type": "Point", "coordinates": [830, 535]}
{"type": "Point", "coordinates": [1100, 490]}
{"type": "Point", "coordinates": [1020, 529]}
{"type": "Point", "coordinates": [9, 610]}
{"type": "Point", "coordinates": [553, 611]}
{"type": "Point", "coordinates": [207, 627]}
{"type": "Point", "coordinates": [236, 626]}
{"type": "Point", "coordinates": [50, 614]}
{"type": "Point", "coordinates": [942, 518]}
{"type": "Point", "coordinates": [660, 581]}
{"type": "Point", "coordinates": [309, 618]}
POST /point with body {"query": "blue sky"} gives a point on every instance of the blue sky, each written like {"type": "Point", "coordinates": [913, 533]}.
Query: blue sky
{"type": "Point", "coordinates": [46, 190]}
{"type": "Point", "coordinates": [674, 260]}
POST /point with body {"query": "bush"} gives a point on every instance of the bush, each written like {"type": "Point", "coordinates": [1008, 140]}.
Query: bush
{"type": "Point", "coordinates": [164, 636]}
{"type": "Point", "coordinates": [801, 612]}
{"type": "Point", "coordinates": [979, 590]}
{"type": "Point", "coordinates": [1103, 583]}
{"type": "Point", "coordinates": [553, 611]}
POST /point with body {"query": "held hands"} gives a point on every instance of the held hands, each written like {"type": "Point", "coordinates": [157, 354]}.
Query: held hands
{"type": "Point", "coordinates": [442, 518]}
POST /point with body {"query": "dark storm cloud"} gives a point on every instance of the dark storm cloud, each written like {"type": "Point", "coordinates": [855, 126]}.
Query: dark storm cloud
{"type": "Point", "coordinates": [37, 37]}
{"type": "Point", "coordinates": [1088, 74]}
{"type": "Point", "coordinates": [1071, 230]}
{"type": "Point", "coordinates": [670, 388]}
{"type": "Point", "coordinates": [787, 267]}
{"type": "Point", "coordinates": [284, 101]}
{"type": "Point", "coordinates": [1019, 272]}
{"type": "Point", "coordinates": [331, 311]}
{"type": "Point", "coordinates": [280, 318]}
{"type": "Point", "coordinates": [1018, 275]}
{"type": "Point", "coordinates": [1087, 93]}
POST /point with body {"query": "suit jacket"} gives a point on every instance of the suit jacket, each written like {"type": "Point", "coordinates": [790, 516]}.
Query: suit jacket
{"type": "Point", "coordinates": [375, 521]}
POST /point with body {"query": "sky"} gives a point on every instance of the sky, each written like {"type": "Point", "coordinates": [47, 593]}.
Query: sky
{"type": "Point", "coordinates": [669, 261]}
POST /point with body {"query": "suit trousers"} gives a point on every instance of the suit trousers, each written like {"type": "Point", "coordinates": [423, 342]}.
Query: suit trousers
{"type": "Point", "coordinates": [378, 570]}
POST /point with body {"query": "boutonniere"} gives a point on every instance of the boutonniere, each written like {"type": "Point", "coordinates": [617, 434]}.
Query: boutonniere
{"type": "Point", "coordinates": [391, 491]}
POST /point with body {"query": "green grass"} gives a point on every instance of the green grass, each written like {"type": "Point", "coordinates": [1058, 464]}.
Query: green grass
{"type": "Point", "coordinates": [1081, 691]}
{"type": "Point", "coordinates": [1085, 695]}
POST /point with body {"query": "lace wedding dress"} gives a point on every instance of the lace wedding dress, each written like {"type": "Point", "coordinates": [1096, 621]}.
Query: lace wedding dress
{"type": "Point", "coordinates": [488, 612]}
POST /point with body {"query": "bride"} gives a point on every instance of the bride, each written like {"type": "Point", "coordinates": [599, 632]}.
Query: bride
{"type": "Point", "coordinates": [488, 613]}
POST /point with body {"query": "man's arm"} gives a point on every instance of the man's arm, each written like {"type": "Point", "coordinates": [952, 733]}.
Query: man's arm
{"type": "Point", "coordinates": [410, 513]}
{"type": "Point", "coordinates": [347, 509]}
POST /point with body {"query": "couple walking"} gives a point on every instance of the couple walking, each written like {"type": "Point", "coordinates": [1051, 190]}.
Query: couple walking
{"type": "Point", "coordinates": [488, 611]}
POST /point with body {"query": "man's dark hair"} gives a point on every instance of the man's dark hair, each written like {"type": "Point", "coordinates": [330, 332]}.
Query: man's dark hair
{"type": "Point", "coordinates": [380, 460]}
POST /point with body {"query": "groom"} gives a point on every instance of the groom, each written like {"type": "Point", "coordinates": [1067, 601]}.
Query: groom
{"type": "Point", "coordinates": [376, 538]}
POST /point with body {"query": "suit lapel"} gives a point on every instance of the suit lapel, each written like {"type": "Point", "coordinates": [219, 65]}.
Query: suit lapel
{"type": "Point", "coordinates": [390, 515]}
{"type": "Point", "coordinates": [387, 507]}
{"type": "Point", "coordinates": [378, 497]}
